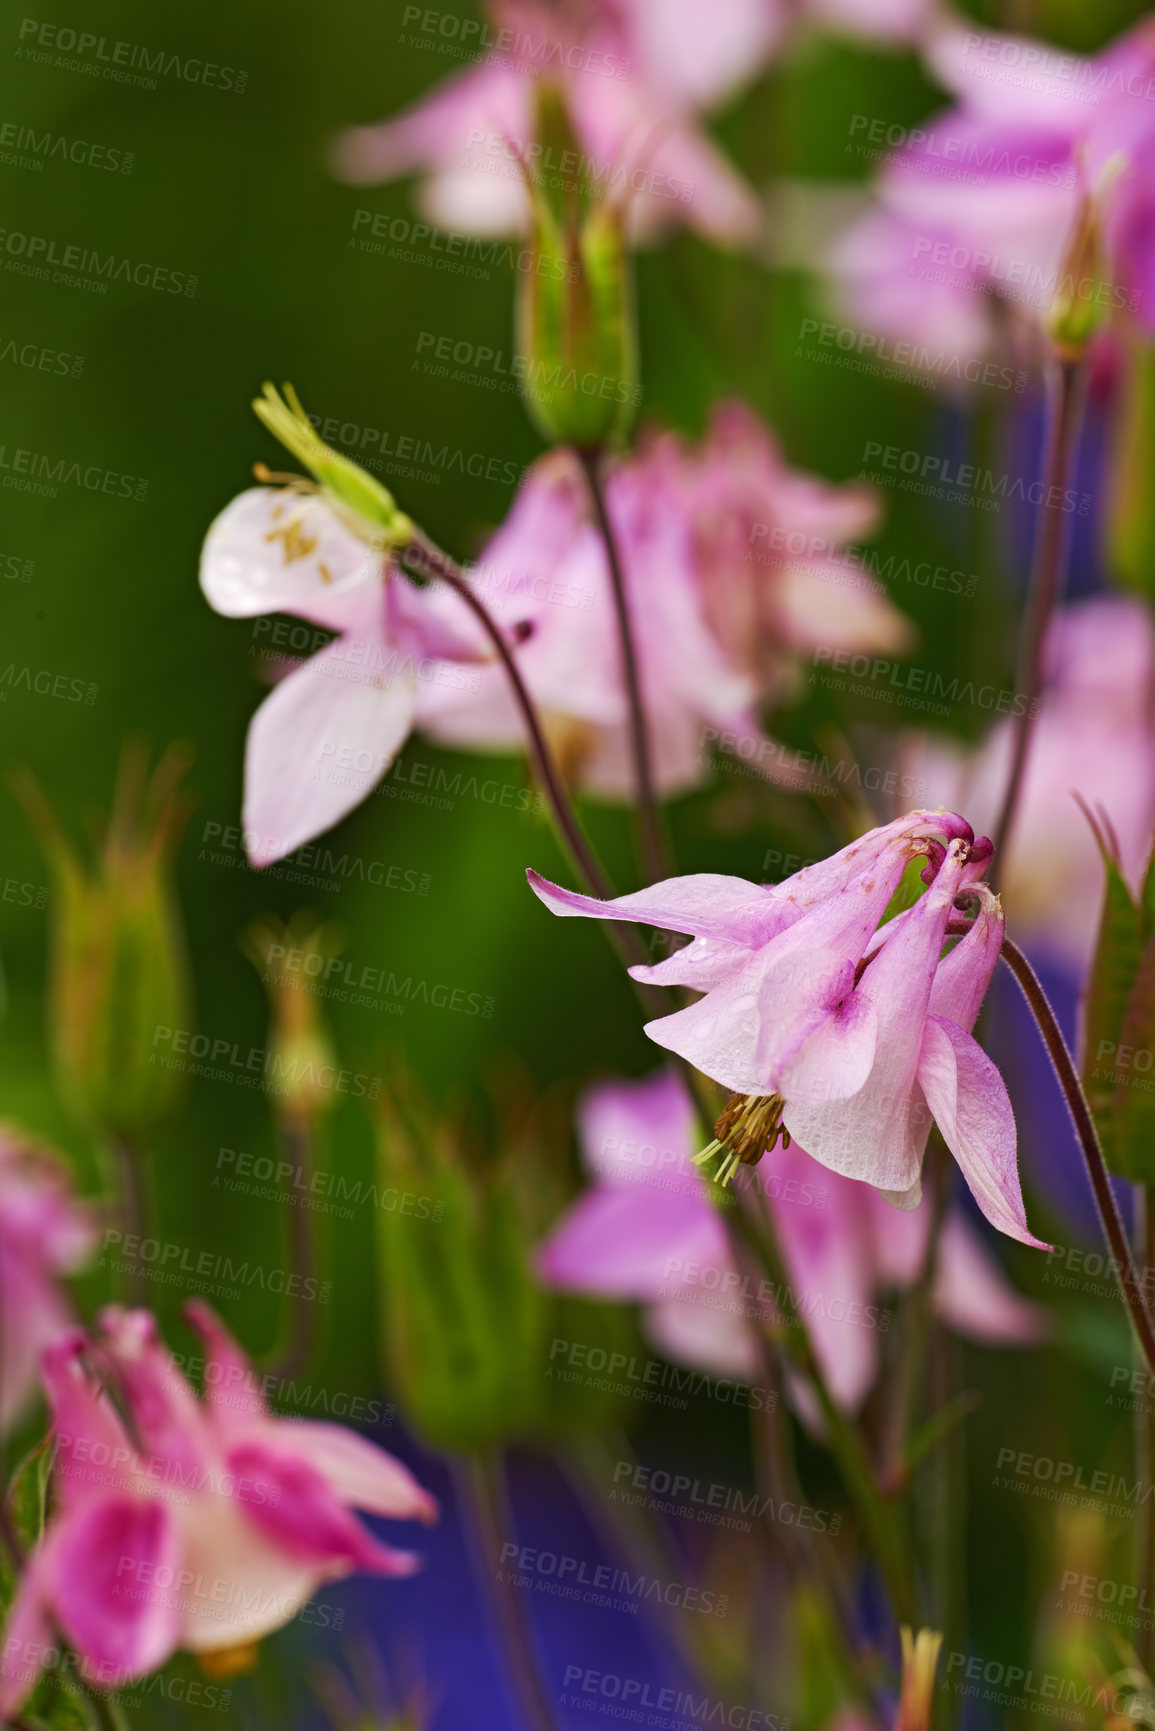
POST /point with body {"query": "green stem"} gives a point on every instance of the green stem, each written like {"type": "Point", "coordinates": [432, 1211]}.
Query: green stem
{"type": "Point", "coordinates": [301, 1333]}
{"type": "Point", "coordinates": [133, 1213]}
{"type": "Point", "coordinates": [1144, 1443]}
{"type": "Point", "coordinates": [842, 1436]}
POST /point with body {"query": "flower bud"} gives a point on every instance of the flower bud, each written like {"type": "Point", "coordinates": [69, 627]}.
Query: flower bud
{"type": "Point", "coordinates": [291, 959]}
{"type": "Point", "coordinates": [476, 1352]}
{"type": "Point", "coordinates": [1082, 297]}
{"type": "Point", "coordinates": [575, 301]}
{"type": "Point", "coordinates": [364, 505]}
{"type": "Point", "coordinates": [119, 970]}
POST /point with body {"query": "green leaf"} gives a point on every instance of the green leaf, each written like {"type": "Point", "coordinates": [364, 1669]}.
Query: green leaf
{"type": "Point", "coordinates": [1134, 1079]}
{"type": "Point", "coordinates": [1131, 526]}
{"type": "Point", "coordinates": [1118, 949]}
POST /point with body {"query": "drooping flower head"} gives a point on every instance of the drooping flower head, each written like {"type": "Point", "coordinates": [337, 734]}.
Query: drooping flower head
{"type": "Point", "coordinates": [849, 1035]}
{"type": "Point", "coordinates": [45, 1233]}
{"type": "Point", "coordinates": [198, 1524]}
{"type": "Point", "coordinates": [649, 1229]}
{"type": "Point", "coordinates": [322, 549]}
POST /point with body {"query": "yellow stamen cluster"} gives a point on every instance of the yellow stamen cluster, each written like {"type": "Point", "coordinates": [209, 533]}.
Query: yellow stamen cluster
{"type": "Point", "coordinates": [748, 1127]}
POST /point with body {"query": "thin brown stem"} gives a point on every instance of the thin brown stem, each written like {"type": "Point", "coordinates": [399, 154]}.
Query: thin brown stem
{"type": "Point", "coordinates": [654, 863]}
{"type": "Point", "coordinates": [429, 561]}
{"type": "Point", "coordinates": [1111, 1220]}
{"type": "Point", "coordinates": [1065, 392]}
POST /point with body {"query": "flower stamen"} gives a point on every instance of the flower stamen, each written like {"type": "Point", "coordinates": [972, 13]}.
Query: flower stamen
{"type": "Point", "coordinates": [748, 1127]}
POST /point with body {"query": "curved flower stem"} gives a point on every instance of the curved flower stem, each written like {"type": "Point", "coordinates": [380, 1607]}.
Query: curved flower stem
{"type": "Point", "coordinates": [1109, 1216]}
{"type": "Point", "coordinates": [481, 1485]}
{"type": "Point", "coordinates": [654, 863]}
{"type": "Point", "coordinates": [429, 561]}
{"type": "Point", "coordinates": [1065, 391]}
{"type": "Point", "coordinates": [842, 1437]}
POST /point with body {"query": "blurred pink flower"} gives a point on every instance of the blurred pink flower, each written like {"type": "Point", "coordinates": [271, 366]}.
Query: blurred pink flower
{"type": "Point", "coordinates": [980, 206]}
{"type": "Point", "coordinates": [1095, 736]}
{"type": "Point", "coordinates": [635, 74]}
{"type": "Point", "coordinates": [331, 728]}
{"type": "Point", "coordinates": [648, 1231]}
{"type": "Point", "coordinates": [731, 567]}
{"type": "Point", "coordinates": [850, 1037]}
{"type": "Point", "coordinates": [210, 1528]}
{"type": "Point", "coordinates": [45, 1233]}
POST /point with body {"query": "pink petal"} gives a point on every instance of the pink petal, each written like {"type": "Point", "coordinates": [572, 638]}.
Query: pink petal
{"type": "Point", "coordinates": [85, 1423]}
{"type": "Point", "coordinates": [275, 551]}
{"type": "Point", "coordinates": [632, 1242]}
{"type": "Point", "coordinates": [630, 1130]}
{"type": "Point", "coordinates": [293, 1504]}
{"type": "Point", "coordinates": [706, 1336]}
{"type": "Point", "coordinates": [232, 1390]}
{"type": "Point", "coordinates": [974, 1297]}
{"type": "Point", "coordinates": [969, 1101]}
{"type": "Point", "coordinates": [166, 1416]}
{"type": "Point", "coordinates": [355, 1469]}
{"type": "Point", "coordinates": [29, 1637]}
{"type": "Point", "coordinates": [323, 740]}
{"type": "Point", "coordinates": [820, 1046]}
{"type": "Point", "coordinates": [706, 904]}
{"type": "Point", "coordinates": [110, 1575]}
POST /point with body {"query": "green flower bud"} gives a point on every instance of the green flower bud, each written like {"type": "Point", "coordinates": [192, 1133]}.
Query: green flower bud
{"type": "Point", "coordinates": [119, 970]}
{"type": "Point", "coordinates": [1080, 308]}
{"type": "Point", "coordinates": [367, 508]}
{"type": "Point", "coordinates": [575, 302]}
{"type": "Point", "coordinates": [290, 959]}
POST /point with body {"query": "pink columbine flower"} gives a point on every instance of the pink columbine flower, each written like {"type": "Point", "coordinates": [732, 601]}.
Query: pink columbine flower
{"type": "Point", "coordinates": [648, 1231]}
{"type": "Point", "coordinates": [1093, 737]}
{"type": "Point", "coordinates": [206, 1528]}
{"type": "Point", "coordinates": [731, 567]}
{"type": "Point", "coordinates": [45, 1234]}
{"type": "Point", "coordinates": [331, 728]}
{"type": "Point", "coordinates": [848, 1036]}
{"type": "Point", "coordinates": [983, 205]}
{"type": "Point", "coordinates": [635, 73]}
